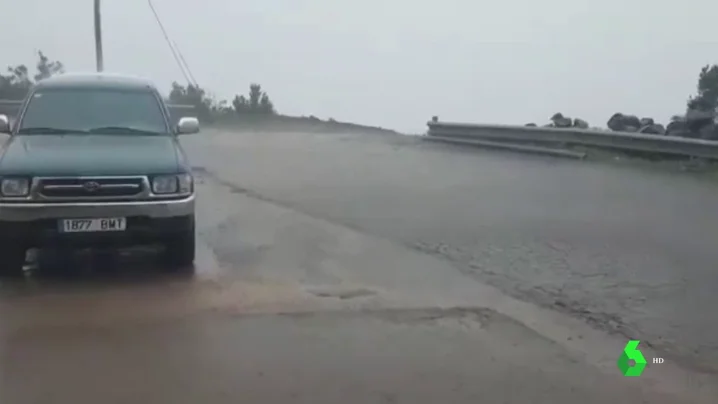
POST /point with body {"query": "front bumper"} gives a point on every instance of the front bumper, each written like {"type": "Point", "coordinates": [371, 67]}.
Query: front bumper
{"type": "Point", "coordinates": [148, 222]}
{"type": "Point", "coordinates": [26, 212]}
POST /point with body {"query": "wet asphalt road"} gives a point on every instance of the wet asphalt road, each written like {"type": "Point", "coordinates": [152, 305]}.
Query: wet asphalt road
{"type": "Point", "coordinates": [356, 268]}
{"type": "Point", "coordinates": [630, 251]}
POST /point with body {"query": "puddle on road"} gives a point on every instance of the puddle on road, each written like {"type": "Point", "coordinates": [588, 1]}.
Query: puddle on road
{"type": "Point", "coordinates": [135, 290]}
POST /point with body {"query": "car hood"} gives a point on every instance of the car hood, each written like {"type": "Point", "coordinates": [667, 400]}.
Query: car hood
{"type": "Point", "coordinates": [89, 155]}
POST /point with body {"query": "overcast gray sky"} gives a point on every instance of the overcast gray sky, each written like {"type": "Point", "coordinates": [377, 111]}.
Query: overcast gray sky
{"type": "Point", "coordinates": [396, 63]}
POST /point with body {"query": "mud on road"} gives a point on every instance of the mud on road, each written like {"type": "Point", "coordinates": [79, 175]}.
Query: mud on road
{"type": "Point", "coordinates": [324, 276]}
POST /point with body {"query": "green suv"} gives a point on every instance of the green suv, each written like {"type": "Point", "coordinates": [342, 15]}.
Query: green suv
{"type": "Point", "coordinates": [93, 160]}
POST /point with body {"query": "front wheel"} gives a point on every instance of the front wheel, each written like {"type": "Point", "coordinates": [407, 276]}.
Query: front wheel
{"type": "Point", "coordinates": [12, 260]}
{"type": "Point", "coordinates": [179, 252]}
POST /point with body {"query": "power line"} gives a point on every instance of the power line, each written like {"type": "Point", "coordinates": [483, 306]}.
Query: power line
{"type": "Point", "coordinates": [184, 62]}
{"type": "Point", "coordinates": [178, 58]}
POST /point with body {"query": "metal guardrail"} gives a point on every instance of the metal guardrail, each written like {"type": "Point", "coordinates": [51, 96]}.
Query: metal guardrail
{"type": "Point", "coordinates": [572, 136]}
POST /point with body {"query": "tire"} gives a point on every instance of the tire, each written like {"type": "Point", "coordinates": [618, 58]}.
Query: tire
{"type": "Point", "coordinates": [12, 260]}
{"type": "Point", "coordinates": [179, 252]}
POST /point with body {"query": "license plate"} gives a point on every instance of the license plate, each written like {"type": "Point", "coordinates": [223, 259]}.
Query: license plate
{"type": "Point", "coordinates": [93, 225]}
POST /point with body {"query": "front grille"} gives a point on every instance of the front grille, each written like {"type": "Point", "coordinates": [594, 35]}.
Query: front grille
{"type": "Point", "coordinates": [90, 188]}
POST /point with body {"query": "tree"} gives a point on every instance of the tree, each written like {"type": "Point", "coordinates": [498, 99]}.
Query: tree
{"type": "Point", "coordinates": [47, 68]}
{"type": "Point", "coordinates": [256, 102]}
{"type": "Point", "coordinates": [16, 84]}
{"type": "Point", "coordinates": [255, 94]}
{"type": "Point", "coordinates": [265, 105]}
{"type": "Point", "coordinates": [240, 104]}
{"type": "Point", "coordinates": [707, 97]}
{"type": "Point", "coordinates": [192, 95]}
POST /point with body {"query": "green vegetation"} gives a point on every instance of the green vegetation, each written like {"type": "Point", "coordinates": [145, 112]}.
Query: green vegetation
{"type": "Point", "coordinates": [256, 103]}
{"type": "Point", "coordinates": [707, 97]}
{"type": "Point", "coordinates": [253, 110]}
{"type": "Point", "coordinates": [15, 84]}
{"type": "Point", "coordinates": [18, 81]}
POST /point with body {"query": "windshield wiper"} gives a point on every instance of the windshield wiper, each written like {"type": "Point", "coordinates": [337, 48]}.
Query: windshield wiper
{"type": "Point", "coordinates": [122, 129]}
{"type": "Point", "coordinates": [48, 130]}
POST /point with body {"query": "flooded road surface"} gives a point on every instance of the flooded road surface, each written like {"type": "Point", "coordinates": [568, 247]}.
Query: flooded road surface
{"type": "Point", "coordinates": [630, 251]}
{"type": "Point", "coordinates": [286, 306]}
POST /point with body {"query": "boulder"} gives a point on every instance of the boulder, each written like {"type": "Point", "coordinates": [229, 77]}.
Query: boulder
{"type": "Point", "coordinates": [696, 119]}
{"type": "Point", "coordinates": [678, 127]}
{"type": "Point", "coordinates": [677, 124]}
{"type": "Point", "coordinates": [631, 121]}
{"type": "Point", "coordinates": [580, 123]}
{"type": "Point", "coordinates": [624, 123]}
{"type": "Point", "coordinates": [647, 121]}
{"type": "Point", "coordinates": [560, 121]}
{"type": "Point", "coordinates": [653, 129]}
{"type": "Point", "coordinates": [614, 122]}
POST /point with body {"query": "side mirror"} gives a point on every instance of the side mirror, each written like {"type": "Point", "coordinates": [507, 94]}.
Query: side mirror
{"type": "Point", "coordinates": [187, 126]}
{"type": "Point", "coordinates": [4, 124]}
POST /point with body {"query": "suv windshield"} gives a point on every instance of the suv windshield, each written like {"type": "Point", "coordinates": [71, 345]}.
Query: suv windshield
{"type": "Point", "coordinates": [93, 110]}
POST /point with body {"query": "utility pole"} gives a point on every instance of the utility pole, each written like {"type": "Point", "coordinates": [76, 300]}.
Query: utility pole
{"type": "Point", "coordinates": [98, 38]}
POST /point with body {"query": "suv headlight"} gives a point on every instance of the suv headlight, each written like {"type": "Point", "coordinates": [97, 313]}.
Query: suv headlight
{"type": "Point", "coordinates": [15, 186]}
{"type": "Point", "coordinates": [172, 184]}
